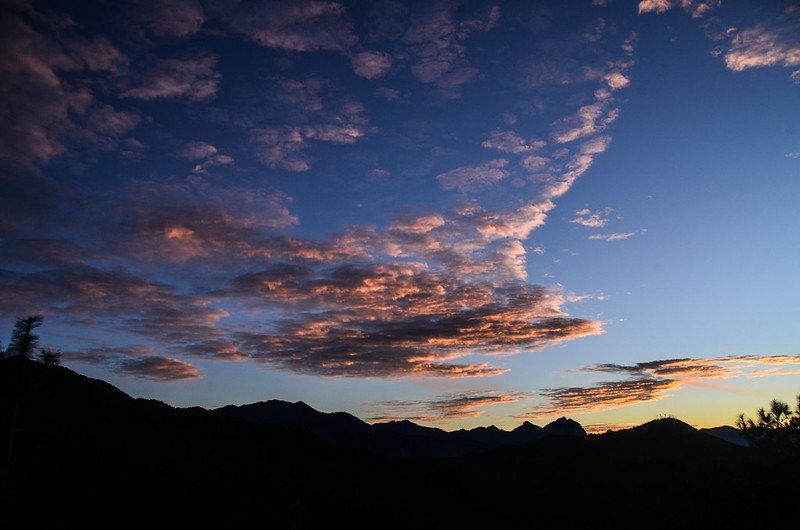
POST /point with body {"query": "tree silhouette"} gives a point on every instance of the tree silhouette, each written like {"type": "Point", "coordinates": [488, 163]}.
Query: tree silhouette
{"type": "Point", "coordinates": [49, 356]}
{"type": "Point", "coordinates": [776, 429]}
{"type": "Point", "coordinates": [23, 340]}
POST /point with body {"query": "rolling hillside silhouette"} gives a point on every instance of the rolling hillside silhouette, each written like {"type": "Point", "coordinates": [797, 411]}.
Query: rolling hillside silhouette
{"type": "Point", "coordinates": [86, 454]}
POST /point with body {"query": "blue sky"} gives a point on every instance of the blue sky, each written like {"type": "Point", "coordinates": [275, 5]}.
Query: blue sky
{"type": "Point", "coordinates": [460, 213]}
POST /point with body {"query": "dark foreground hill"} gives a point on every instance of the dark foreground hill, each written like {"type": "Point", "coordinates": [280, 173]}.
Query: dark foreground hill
{"type": "Point", "coordinates": [86, 455]}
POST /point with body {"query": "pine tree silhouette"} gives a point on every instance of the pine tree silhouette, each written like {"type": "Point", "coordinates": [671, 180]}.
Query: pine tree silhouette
{"type": "Point", "coordinates": [23, 341]}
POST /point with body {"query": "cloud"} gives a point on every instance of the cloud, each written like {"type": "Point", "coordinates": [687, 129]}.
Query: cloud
{"type": "Point", "coordinates": [104, 119]}
{"type": "Point", "coordinates": [371, 64]}
{"type": "Point", "coordinates": [589, 119]}
{"type": "Point", "coordinates": [586, 217]}
{"type": "Point", "coordinates": [696, 8]}
{"type": "Point", "coordinates": [206, 156]}
{"type": "Point", "coordinates": [417, 225]}
{"type": "Point", "coordinates": [197, 220]}
{"type": "Point", "coordinates": [117, 298]}
{"type": "Point", "coordinates": [600, 428]}
{"type": "Point", "coordinates": [606, 395]}
{"type": "Point", "coordinates": [657, 6]}
{"type": "Point", "coordinates": [793, 154]}
{"type": "Point", "coordinates": [511, 142]}
{"type": "Point", "coordinates": [517, 224]}
{"type": "Point", "coordinates": [218, 160]}
{"type": "Point", "coordinates": [651, 380]}
{"type": "Point", "coordinates": [442, 408]}
{"type": "Point", "coordinates": [313, 114]}
{"type": "Point", "coordinates": [389, 94]}
{"type": "Point", "coordinates": [299, 26]}
{"type": "Point", "coordinates": [198, 151]}
{"type": "Point", "coordinates": [434, 38]}
{"type": "Point", "coordinates": [193, 79]}
{"type": "Point", "coordinates": [397, 320]}
{"type": "Point", "coordinates": [158, 368]}
{"type": "Point", "coordinates": [169, 18]}
{"type": "Point", "coordinates": [760, 47]}
{"type": "Point", "coordinates": [535, 163]}
{"type": "Point", "coordinates": [44, 112]}
{"type": "Point", "coordinates": [138, 361]}
{"type": "Point", "coordinates": [617, 80]}
{"type": "Point", "coordinates": [474, 178]}
{"type": "Point", "coordinates": [617, 236]}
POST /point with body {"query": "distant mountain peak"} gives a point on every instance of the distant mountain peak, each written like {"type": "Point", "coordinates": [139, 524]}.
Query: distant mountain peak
{"type": "Point", "coordinates": [565, 427]}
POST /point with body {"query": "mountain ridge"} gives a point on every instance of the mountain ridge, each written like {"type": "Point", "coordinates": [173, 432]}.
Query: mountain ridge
{"type": "Point", "coordinates": [94, 452]}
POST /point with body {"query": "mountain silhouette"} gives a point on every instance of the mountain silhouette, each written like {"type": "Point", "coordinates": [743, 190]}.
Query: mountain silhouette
{"type": "Point", "coordinates": [727, 433]}
{"type": "Point", "coordinates": [83, 454]}
{"type": "Point", "coordinates": [396, 438]}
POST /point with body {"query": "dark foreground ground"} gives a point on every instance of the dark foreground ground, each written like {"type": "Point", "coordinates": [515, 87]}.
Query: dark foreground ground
{"type": "Point", "coordinates": [87, 455]}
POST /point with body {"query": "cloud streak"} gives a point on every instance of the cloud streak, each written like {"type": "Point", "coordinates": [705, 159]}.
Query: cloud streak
{"type": "Point", "coordinates": [442, 408]}
{"type": "Point", "coordinates": [138, 361]}
{"type": "Point", "coordinates": [652, 380]}
{"type": "Point", "coordinates": [192, 79]}
{"type": "Point", "coordinates": [299, 26]}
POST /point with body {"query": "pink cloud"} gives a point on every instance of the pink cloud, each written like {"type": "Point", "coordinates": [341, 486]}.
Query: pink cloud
{"type": "Point", "coordinates": [193, 79]}
{"type": "Point", "coordinates": [198, 151]}
{"type": "Point", "coordinates": [371, 64]}
{"type": "Point", "coordinates": [435, 38]}
{"type": "Point", "coordinates": [170, 18]}
{"type": "Point", "coordinates": [760, 47]}
{"type": "Point", "coordinates": [473, 178]}
{"type": "Point", "coordinates": [301, 25]}
{"type": "Point", "coordinates": [43, 114]}
{"type": "Point", "coordinates": [511, 142]}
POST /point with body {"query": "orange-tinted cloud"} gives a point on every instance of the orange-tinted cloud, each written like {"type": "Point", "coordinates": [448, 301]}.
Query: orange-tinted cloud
{"type": "Point", "coordinates": [393, 321]}
{"type": "Point", "coordinates": [651, 380]}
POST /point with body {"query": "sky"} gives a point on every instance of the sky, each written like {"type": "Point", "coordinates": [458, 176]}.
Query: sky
{"type": "Point", "coordinates": [458, 213]}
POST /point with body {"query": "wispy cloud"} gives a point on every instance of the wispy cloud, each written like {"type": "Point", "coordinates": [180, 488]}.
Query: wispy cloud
{"type": "Point", "coordinates": [193, 79]}
{"type": "Point", "coordinates": [137, 361]}
{"type": "Point", "coordinates": [771, 43]}
{"type": "Point", "coordinates": [435, 39]}
{"type": "Point", "coordinates": [300, 26]}
{"type": "Point", "coordinates": [43, 115]}
{"type": "Point", "coordinates": [761, 47]}
{"type": "Point", "coordinates": [696, 8]}
{"type": "Point", "coordinates": [586, 217]}
{"type": "Point", "coordinates": [371, 64]}
{"type": "Point", "coordinates": [313, 114]}
{"type": "Point", "coordinates": [617, 236]}
{"type": "Point", "coordinates": [169, 18]}
{"type": "Point", "coordinates": [511, 142]}
{"type": "Point", "coordinates": [652, 380]}
{"type": "Point", "coordinates": [474, 178]}
{"type": "Point", "coordinates": [159, 368]}
{"type": "Point", "coordinates": [206, 156]}
{"type": "Point", "coordinates": [442, 408]}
